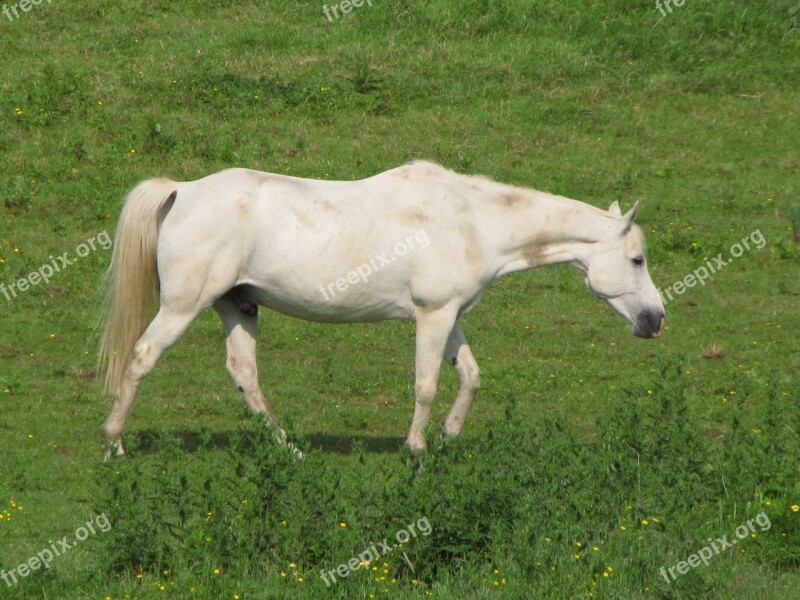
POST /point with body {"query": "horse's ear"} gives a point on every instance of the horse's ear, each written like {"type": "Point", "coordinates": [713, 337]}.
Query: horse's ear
{"type": "Point", "coordinates": [630, 216]}
{"type": "Point", "coordinates": [614, 209]}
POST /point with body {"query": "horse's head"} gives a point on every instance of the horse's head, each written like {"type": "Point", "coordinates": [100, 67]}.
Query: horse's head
{"type": "Point", "coordinates": [616, 270]}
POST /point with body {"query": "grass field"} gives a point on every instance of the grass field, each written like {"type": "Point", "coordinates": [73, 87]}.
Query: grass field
{"type": "Point", "coordinates": [590, 460]}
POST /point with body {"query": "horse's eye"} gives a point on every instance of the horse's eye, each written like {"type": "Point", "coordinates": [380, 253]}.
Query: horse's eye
{"type": "Point", "coordinates": [638, 261]}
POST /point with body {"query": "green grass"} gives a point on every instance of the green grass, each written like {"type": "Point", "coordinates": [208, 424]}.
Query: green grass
{"type": "Point", "coordinates": [579, 428]}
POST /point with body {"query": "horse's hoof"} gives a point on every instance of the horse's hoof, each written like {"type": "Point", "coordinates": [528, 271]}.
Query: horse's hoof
{"type": "Point", "coordinates": [280, 438]}
{"type": "Point", "coordinates": [114, 449]}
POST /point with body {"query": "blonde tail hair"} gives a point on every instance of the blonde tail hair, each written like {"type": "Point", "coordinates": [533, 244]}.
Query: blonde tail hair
{"type": "Point", "coordinates": [132, 279]}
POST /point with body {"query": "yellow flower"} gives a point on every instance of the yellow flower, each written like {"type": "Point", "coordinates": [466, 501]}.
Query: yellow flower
{"type": "Point", "coordinates": [645, 523]}
{"type": "Point", "coordinates": [795, 507]}
{"type": "Point", "coordinates": [216, 571]}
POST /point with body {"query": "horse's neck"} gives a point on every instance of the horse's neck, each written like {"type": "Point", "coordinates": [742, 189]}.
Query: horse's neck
{"type": "Point", "coordinates": [546, 229]}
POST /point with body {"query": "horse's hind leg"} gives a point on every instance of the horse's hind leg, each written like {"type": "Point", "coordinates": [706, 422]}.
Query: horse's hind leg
{"type": "Point", "coordinates": [458, 354]}
{"type": "Point", "coordinates": [163, 331]}
{"type": "Point", "coordinates": [239, 317]}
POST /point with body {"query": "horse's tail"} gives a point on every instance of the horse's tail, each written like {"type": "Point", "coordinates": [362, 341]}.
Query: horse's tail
{"type": "Point", "coordinates": [132, 279]}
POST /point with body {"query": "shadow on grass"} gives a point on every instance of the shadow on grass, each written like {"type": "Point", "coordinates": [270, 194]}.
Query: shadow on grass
{"type": "Point", "coordinates": [149, 441]}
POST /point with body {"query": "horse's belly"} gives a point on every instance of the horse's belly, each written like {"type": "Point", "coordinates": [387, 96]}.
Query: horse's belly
{"type": "Point", "coordinates": [330, 305]}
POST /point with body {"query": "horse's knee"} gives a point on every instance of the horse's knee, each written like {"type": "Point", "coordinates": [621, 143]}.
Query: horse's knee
{"type": "Point", "coordinates": [425, 392]}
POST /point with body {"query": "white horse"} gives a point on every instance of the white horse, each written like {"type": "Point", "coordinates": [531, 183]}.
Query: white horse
{"type": "Point", "coordinates": [418, 242]}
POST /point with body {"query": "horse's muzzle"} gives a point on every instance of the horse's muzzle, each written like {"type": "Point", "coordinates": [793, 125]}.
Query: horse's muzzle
{"type": "Point", "coordinates": [648, 324]}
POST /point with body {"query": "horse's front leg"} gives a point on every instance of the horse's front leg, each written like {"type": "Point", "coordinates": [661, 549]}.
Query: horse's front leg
{"type": "Point", "coordinates": [433, 329]}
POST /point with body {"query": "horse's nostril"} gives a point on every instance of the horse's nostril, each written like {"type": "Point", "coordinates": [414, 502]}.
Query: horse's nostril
{"type": "Point", "coordinates": [649, 323]}
{"type": "Point", "coordinates": [655, 319]}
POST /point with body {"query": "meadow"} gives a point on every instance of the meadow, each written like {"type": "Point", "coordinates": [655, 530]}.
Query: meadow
{"type": "Point", "coordinates": [591, 463]}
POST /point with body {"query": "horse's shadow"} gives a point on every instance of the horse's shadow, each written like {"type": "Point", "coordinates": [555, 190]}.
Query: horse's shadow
{"type": "Point", "coordinates": [149, 441]}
